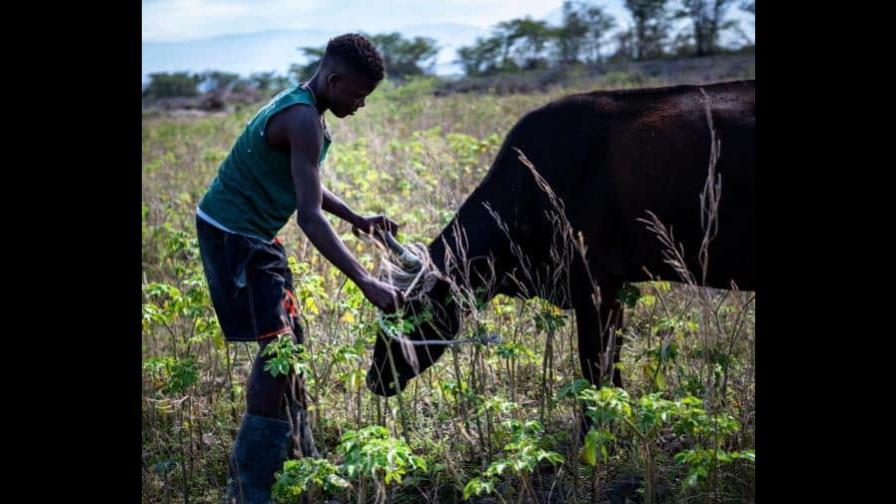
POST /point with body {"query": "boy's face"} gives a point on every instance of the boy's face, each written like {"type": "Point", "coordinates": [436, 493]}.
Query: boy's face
{"type": "Point", "coordinates": [347, 93]}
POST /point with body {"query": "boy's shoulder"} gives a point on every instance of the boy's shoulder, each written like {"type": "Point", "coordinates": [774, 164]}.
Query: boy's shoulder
{"type": "Point", "coordinates": [295, 120]}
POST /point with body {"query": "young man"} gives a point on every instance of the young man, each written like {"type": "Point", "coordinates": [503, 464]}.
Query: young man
{"type": "Point", "coordinates": [272, 171]}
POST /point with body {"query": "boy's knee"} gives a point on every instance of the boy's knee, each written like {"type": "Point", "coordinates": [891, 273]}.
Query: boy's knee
{"type": "Point", "coordinates": [264, 397]}
{"type": "Point", "coordinates": [264, 392]}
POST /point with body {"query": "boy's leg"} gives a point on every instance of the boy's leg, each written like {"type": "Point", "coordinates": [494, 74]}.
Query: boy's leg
{"type": "Point", "coordinates": [246, 295]}
{"type": "Point", "coordinates": [283, 398]}
{"type": "Point", "coordinates": [275, 314]}
{"type": "Point", "coordinates": [265, 393]}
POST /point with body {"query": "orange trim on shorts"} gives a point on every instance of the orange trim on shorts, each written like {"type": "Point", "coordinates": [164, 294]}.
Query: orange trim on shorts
{"type": "Point", "coordinates": [274, 333]}
{"type": "Point", "coordinates": [290, 303]}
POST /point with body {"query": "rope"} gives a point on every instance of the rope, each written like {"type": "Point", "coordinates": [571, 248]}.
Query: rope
{"type": "Point", "coordinates": [410, 269]}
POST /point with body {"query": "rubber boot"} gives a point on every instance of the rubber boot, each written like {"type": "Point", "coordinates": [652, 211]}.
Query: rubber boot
{"type": "Point", "coordinates": [259, 452]}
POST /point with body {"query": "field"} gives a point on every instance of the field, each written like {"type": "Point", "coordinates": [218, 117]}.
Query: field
{"type": "Point", "coordinates": [488, 423]}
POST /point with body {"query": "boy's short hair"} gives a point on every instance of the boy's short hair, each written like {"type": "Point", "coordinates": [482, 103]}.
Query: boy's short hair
{"type": "Point", "coordinates": [358, 53]}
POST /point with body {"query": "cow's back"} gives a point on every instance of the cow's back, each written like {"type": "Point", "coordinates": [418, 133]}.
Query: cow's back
{"type": "Point", "coordinates": [658, 157]}
{"type": "Point", "coordinates": [612, 156]}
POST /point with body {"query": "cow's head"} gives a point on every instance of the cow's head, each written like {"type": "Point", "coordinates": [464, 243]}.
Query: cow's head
{"type": "Point", "coordinates": [407, 346]}
{"type": "Point", "coordinates": [467, 276]}
{"type": "Point", "coordinates": [396, 357]}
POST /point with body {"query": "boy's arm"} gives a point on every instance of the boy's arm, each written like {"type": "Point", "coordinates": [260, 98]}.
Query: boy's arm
{"type": "Point", "coordinates": [303, 129]}
{"type": "Point", "coordinates": [331, 203]}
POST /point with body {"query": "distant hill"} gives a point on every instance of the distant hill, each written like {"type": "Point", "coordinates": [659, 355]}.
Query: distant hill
{"type": "Point", "coordinates": [275, 50]}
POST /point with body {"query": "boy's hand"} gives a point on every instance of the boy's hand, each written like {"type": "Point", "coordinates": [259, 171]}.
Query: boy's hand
{"type": "Point", "coordinates": [384, 296]}
{"type": "Point", "coordinates": [380, 222]}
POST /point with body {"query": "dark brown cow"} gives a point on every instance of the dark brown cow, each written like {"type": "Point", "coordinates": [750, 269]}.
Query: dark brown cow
{"type": "Point", "coordinates": [610, 157]}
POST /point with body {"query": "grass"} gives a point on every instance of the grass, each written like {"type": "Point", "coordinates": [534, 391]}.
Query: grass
{"type": "Point", "coordinates": [415, 157]}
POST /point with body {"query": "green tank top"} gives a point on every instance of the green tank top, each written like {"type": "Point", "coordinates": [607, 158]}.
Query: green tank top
{"type": "Point", "coordinates": [253, 192]}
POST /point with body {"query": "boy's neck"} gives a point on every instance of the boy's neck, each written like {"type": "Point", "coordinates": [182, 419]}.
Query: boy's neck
{"type": "Point", "coordinates": [317, 85]}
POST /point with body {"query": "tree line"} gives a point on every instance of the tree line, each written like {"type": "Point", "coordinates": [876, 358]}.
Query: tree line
{"type": "Point", "coordinates": [586, 34]}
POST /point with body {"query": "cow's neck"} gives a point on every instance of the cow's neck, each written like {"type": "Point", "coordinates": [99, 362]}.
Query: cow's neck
{"type": "Point", "coordinates": [478, 251]}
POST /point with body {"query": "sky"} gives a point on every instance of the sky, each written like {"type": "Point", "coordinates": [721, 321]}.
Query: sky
{"type": "Point", "coordinates": [181, 35]}
{"type": "Point", "coordinates": [179, 20]}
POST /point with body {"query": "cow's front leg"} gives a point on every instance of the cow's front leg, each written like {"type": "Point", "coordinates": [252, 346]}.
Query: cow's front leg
{"type": "Point", "coordinates": [595, 325]}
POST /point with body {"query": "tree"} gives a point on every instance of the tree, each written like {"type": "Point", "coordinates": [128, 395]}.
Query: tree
{"type": "Point", "coordinates": [625, 45]}
{"type": "Point", "coordinates": [214, 80]}
{"type": "Point", "coordinates": [279, 83]}
{"type": "Point", "coordinates": [165, 85]}
{"type": "Point", "coordinates": [708, 18]}
{"type": "Point", "coordinates": [302, 72]}
{"type": "Point", "coordinates": [268, 82]}
{"type": "Point", "coordinates": [523, 42]}
{"type": "Point", "coordinates": [599, 25]}
{"type": "Point", "coordinates": [525, 39]}
{"type": "Point", "coordinates": [750, 8]}
{"type": "Point", "coordinates": [570, 36]}
{"type": "Point", "coordinates": [482, 57]}
{"type": "Point", "coordinates": [405, 57]}
{"type": "Point", "coordinates": [505, 32]}
{"type": "Point", "coordinates": [582, 33]}
{"type": "Point", "coordinates": [262, 81]}
{"type": "Point", "coordinates": [651, 27]}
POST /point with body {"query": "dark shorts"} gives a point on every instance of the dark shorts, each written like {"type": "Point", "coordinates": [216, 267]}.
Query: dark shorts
{"type": "Point", "coordinates": [250, 285]}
